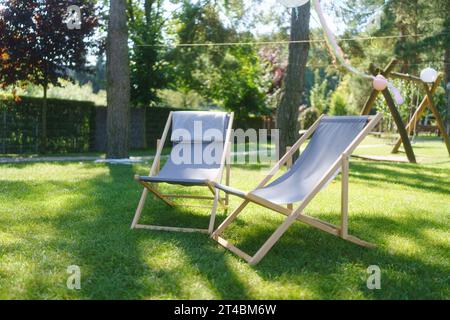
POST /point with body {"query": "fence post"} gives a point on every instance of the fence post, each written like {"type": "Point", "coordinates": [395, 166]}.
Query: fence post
{"type": "Point", "coordinates": [4, 133]}
{"type": "Point", "coordinates": [36, 137]}
{"type": "Point", "coordinates": [290, 206]}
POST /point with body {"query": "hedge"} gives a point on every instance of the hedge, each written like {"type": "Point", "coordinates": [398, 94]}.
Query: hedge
{"type": "Point", "coordinates": [70, 125]}
{"type": "Point", "coordinates": [78, 126]}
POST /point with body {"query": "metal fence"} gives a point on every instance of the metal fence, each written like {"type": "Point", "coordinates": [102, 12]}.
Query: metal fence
{"type": "Point", "coordinates": [80, 126]}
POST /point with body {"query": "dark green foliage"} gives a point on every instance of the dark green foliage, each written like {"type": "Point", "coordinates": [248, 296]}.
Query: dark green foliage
{"type": "Point", "coordinates": [310, 116]}
{"type": "Point", "coordinates": [239, 85]}
{"type": "Point", "coordinates": [70, 125]}
{"type": "Point", "coordinates": [39, 46]}
{"type": "Point", "coordinates": [95, 75]}
{"type": "Point", "coordinates": [338, 105]}
{"type": "Point", "coordinates": [227, 76]}
{"type": "Point", "coordinates": [319, 94]}
{"type": "Point", "coordinates": [148, 69]}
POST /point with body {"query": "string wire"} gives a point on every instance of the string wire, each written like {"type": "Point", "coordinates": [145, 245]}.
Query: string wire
{"type": "Point", "coordinates": [284, 42]}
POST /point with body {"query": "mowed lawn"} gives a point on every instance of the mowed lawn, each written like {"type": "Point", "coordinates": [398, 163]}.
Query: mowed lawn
{"type": "Point", "coordinates": [55, 215]}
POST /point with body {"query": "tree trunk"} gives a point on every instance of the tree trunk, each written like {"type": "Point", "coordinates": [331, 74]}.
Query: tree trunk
{"type": "Point", "coordinates": [447, 85]}
{"type": "Point", "coordinates": [118, 82]}
{"type": "Point", "coordinates": [44, 121]}
{"type": "Point", "coordinates": [294, 80]}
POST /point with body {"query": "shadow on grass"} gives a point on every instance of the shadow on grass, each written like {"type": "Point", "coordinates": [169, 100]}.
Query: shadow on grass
{"type": "Point", "coordinates": [413, 176]}
{"type": "Point", "coordinates": [334, 265]}
{"type": "Point", "coordinates": [92, 230]}
{"type": "Point", "coordinates": [119, 263]}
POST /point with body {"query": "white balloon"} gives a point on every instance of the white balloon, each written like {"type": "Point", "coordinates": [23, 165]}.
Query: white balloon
{"type": "Point", "coordinates": [428, 75]}
{"type": "Point", "coordinates": [293, 3]}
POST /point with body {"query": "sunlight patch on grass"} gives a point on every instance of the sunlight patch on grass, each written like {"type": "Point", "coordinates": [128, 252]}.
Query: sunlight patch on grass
{"type": "Point", "coordinates": [53, 215]}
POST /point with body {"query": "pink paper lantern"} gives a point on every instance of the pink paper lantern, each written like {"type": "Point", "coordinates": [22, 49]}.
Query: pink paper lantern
{"type": "Point", "coordinates": [380, 83]}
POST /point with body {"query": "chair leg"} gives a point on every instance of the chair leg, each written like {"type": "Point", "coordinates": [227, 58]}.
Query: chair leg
{"type": "Point", "coordinates": [344, 198]}
{"type": "Point", "coordinates": [227, 174]}
{"type": "Point", "coordinates": [158, 164]}
{"type": "Point", "coordinates": [213, 191]}
{"type": "Point", "coordinates": [229, 219]}
{"type": "Point", "coordinates": [140, 206]}
{"type": "Point", "coordinates": [212, 219]}
{"type": "Point", "coordinates": [148, 188]}
{"type": "Point", "coordinates": [290, 206]}
{"type": "Point", "coordinates": [157, 194]}
{"type": "Point", "coordinates": [273, 239]}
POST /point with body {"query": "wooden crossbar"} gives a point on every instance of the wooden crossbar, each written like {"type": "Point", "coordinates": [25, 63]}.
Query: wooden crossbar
{"type": "Point", "coordinates": [163, 228]}
{"type": "Point", "coordinates": [187, 196]}
{"type": "Point", "coordinates": [233, 248]}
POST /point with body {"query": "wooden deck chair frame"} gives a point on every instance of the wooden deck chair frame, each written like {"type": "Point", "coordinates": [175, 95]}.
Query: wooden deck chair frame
{"type": "Point", "coordinates": [298, 213]}
{"type": "Point", "coordinates": [166, 198]}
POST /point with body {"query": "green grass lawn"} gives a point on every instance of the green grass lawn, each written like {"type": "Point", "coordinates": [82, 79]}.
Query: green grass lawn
{"type": "Point", "coordinates": [56, 215]}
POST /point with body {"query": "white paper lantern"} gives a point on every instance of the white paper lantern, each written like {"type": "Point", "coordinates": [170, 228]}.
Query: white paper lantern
{"type": "Point", "coordinates": [428, 75]}
{"type": "Point", "coordinates": [293, 3]}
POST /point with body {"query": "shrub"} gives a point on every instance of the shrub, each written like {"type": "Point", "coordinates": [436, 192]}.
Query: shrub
{"type": "Point", "coordinates": [311, 115]}
{"type": "Point", "coordinates": [70, 125]}
{"type": "Point", "coordinates": [338, 105]}
{"type": "Point", "coordinates": [319, 94]}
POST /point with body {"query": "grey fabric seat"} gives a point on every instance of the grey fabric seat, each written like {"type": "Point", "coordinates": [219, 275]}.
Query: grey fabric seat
{"type": "Point", "coordinates": [329, 141]}
{"type": "Point", "coordinates": [187, 173]}
{"type": "Point", "coordinates": [193, 172]}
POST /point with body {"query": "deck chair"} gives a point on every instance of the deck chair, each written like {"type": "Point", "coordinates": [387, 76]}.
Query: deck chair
{"type": "Point", "coordinates": [195, 133]}
{"type": "Point", "coordinates": [327, 154]}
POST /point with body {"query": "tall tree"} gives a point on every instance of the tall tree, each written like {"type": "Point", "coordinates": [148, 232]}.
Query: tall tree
{"type": "Point", "coordinates": [118, 81]}
{"type": "Point", "coordinates": [447, 77]}
{"type": "Point", "coordinates": [39, 47]}
{"type": "Point", "coordinates": [228, 76]}
{"type": "Point", "coordinates": [443, 9]}
{"type": "Point", "coordinates": [147, 68]}
{"type": "Point", "coordinates": [294, 80]}
{"type": "Point", "coordinates": [407, 21]}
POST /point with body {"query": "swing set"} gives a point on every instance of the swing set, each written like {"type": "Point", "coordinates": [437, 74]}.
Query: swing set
{"type": "Point", "coordinates": [381, 83]}
{"type": "Point", "coordinates": [406, 131]}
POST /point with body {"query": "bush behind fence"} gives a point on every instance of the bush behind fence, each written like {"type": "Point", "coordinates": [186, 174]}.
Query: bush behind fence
{"type": "Point", "coordinates": [78, 126]}
{"type": "Point", "coordinates": [70, 125]}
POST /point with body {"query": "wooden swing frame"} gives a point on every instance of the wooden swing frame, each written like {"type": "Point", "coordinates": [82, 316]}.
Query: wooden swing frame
{"type": "Point", "coordinates": [405, 131]}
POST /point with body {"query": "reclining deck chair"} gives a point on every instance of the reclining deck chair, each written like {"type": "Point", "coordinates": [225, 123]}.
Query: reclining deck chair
{"type": "Point", "coordinates": [328, 153]}
{"type": "Point", "coordinates": [193, 134]}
